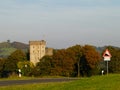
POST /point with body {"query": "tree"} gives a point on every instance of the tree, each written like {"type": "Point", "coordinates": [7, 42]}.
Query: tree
{"type": "Point", "coordinates": [58, 59]}
{"type": "Point", "coordinates": [76, 53]}
{"type": "Point", "coordinates": [73, 61]}
{"type": "Point", "coordinates": [43, 68]}
{"type": "Point", "coordinates": [13, 59]}
{"type": "Point", "coordinates": [25, 67]}
{"type": "Point", "coordinates": [62, 63]}
{"type": "Point", "coordinates": [67, 61]}
{"type": "Point", "coordinates": [2, 62]}
{"type": "Point", "coordinates": [18, 55]}
{"type": "Point", "coordinates": [91, 57]}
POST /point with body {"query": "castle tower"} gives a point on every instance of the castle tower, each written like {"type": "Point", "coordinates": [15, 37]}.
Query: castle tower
{"type": "Point", "coordinates": [37, 50]}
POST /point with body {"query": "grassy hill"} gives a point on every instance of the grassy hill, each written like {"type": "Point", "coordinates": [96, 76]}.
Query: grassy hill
{"type": "Point", "coordinates": [6, 48]}
{"type": "Point", "coordinates": [4, 52]}
{"type": "Point", "coordinates": [106, 82]}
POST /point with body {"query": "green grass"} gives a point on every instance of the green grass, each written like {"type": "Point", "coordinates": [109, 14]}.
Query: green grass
{"type": "Point", "coordinates": [110, 82]}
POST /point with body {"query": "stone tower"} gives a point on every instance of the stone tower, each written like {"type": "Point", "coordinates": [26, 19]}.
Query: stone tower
{"type": "Point", "coordinates": [37, 50]}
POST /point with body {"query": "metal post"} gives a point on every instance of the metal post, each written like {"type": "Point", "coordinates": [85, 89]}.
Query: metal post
{"type": "Point", "coordinates": [107, 68]}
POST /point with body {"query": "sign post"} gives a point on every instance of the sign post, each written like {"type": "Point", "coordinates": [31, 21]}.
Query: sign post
{"type": "Point", "coordinates": [107, 57]}
{"type": "Point", "coordinates": [107, 68]}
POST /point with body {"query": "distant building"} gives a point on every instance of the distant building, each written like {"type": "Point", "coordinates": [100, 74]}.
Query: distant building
{"type": "Point", "coordinates": [38, 50]}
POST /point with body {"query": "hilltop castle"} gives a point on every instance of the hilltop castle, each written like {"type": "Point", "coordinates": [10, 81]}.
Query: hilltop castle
{"type": "Point", "coordinates": [38, 50]}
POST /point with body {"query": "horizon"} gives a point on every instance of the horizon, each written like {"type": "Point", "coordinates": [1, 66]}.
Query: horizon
{"type": "Point", "coordinates": [61, 23]}
{"type": "Point", "coordinates": [58, 48]}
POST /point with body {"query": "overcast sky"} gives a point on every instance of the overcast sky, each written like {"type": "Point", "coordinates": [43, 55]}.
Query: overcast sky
{"type": "Point", "coordinates": [62, 23]}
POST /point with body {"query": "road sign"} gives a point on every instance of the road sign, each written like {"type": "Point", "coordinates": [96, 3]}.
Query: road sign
{"type": "Point", "coordinates": [107, 56]}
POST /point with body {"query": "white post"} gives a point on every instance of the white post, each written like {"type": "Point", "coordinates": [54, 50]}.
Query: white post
{"type": "Point", "coordinates": [19, 72]}
{"type": "Point", "coordinates": [102, 72]}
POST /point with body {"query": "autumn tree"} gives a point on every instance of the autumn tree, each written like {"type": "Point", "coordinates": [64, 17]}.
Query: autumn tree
{"type": "Point", "coordinates": [75, 52]}
{"type": "Point", "coordinates": [91, 58]}
{"type": "Point", "coordinates": [58, 62]}
{"type": "Point", "coordinates": [73, 61]}
{"type": "Point", "coordinates": [67, 61]}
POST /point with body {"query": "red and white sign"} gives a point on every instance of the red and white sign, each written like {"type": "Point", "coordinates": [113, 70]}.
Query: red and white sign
{"type": "Point", "coordinates": [107, 56]}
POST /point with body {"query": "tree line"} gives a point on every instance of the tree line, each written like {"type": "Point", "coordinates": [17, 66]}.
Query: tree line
{"type": "Point", "coordinates": [75, 61]}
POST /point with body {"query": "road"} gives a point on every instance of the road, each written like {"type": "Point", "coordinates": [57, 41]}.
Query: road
{"type": "Point", "coordinates": [32, 81]}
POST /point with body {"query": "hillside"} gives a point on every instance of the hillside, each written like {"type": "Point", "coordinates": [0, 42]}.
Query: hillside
{"type": "Point", "coordinates": [19, 45]}
{"type": "Point", "coordinates": [6, 48]}
{"type": "Point", "coordinates": [100, 49]}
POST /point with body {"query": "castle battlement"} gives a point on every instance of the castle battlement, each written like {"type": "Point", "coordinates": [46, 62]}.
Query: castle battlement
{"type": "Point", "coordinates": [42, 42]}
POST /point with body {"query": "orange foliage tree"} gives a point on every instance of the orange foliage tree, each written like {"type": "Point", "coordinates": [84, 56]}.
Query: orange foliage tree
{"type": "Point", "coordinates": [91, 55]}
{"type": "Point", "coordinates": [62, 63]}
{"type": "Point", "coordinates": [91, 58]}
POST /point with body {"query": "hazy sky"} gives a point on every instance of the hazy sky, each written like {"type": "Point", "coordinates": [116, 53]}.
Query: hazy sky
{"type": "Point", "coordinates": [62, 23]}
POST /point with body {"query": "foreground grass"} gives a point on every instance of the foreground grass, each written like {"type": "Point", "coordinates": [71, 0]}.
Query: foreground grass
{"type": "Point", "coordinates": [110, 82]}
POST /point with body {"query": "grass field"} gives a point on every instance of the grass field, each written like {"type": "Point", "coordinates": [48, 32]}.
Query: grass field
{"type": "Point", "coordinates": [107, 82]}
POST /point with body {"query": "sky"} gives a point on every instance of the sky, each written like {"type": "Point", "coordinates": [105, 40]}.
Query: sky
{"type": "Point", "coordinates": [62, 23]}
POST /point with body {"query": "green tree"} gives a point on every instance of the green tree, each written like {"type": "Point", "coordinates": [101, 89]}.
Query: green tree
{"type": "Point", "coordinates": [13, 59]}
{"type": "Point", "coordinates": [43, 68]}
{"type": "Point", "coordinates": [25, 67]}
